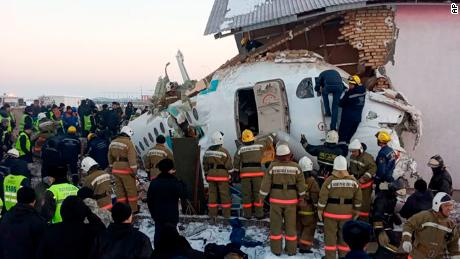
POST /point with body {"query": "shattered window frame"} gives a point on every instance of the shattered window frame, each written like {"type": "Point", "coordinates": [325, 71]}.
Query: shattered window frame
{"type": "Point", "coordinates": [305, 89]}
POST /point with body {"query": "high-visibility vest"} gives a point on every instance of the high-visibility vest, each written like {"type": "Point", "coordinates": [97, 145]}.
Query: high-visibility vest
{"type": "Point", "coordinates": [60, 192]}
{"type": "Point", "coordinates": [1, 208]}
{"type": "Point", "coordinates": [23, 122]}
{"type": "Point", "coordinates": [9, 128]}
{"type": "Point", "coordinates": [18, 143]}
{"type": "Point", "coordinates": [87, 121]}
{"type": "Point", "coordinates": [61, 124]}
{"type": "Point", "coordinates": [11, 185]}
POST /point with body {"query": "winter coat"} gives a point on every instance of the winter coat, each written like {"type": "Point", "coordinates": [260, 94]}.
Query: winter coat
{"type": "Point", "coordinates": [100, 182]}
{"type": "Point", "coordinates": [386, 162]}
{"type": "Point", "coordinates": [69, 147]}
{"type": "Point", "coordinates": [113, 120]}
{"type": "Point", "coordinates": [176, 246]}
{"type": "Point", "coordinates": [16, 166]}
{"type": "Point", "coordinates": [441, 181]}
{"type": "Point", "coordinates": [70, 120]}
{"type": "Point", "coordinates": [217, 162]}
{"type": "Point", "coordinates": [153, 157]}
{"type": "Point", "coordinates": [384, 217]}
{"type": "Point", "coordinates": [70, 240]}
{"type": "Point", "coordinates": [98, 149]}
{"type": "Point", "coordinates": [122, 155]}
{"type": "Point", "coordinates": [352, 104]}
{"type": "Point", "coordinates": [357, 254]}
{"type": "Point", "coordinates": [51, 156]}
{"type": "Point", "coordinates": [329, 79]}
{"type": "Point", "coordinates": [416, 203]}
{"type": "Point", "coordinates": [21, 230]}
{"type": "Point", "coordinates": [104, 215]}
{"type": "Point", "coordinates": [163, 197]}
{"type": "Point", "coordinates": [326, 154]}
{"type": "Point", "coordinates": [121, 241]}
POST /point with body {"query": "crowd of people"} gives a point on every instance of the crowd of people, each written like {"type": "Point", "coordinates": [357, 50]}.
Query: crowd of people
{"type": "Point", "coordinates": [87, 191]}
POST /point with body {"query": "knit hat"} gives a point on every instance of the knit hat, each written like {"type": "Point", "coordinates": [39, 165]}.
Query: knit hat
{"type": "Point", "coordinates": [420, 185]}
{"type": "Point", "coordinates": [120, 212]}
{"type": "Point", "coordinates": [165, 165]}
{"type": "Point", "coordinates": [26, 195]}
{"type": "Point", "coordinates": [85, 192]}
{"type": "Point", "coordinates": [73, 209]}
{"type": "Point", "coordinates": [160, 139]}
{"type": "Point", "coordinates": [356, 234]}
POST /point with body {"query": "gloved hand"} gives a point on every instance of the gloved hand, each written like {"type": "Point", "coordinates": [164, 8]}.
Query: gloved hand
{"type": "Point", "coordinates": [383, 186]}
{"type": "Point", "coordinates": [320, 215]}
{"type": "Point", "coordinates": [383, 239]}
{"type": "Point", "coordinates": [303, 141]}
{"type": "Point", "coordinates": [407, 246]}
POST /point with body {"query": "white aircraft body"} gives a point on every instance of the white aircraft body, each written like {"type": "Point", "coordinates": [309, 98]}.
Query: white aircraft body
{"type": "Point", "coordinates": [277, 96]}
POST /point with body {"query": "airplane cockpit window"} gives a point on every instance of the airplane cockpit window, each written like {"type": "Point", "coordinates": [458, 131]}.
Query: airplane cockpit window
{"type": "Point", "coordinates": [162, 127]}
{"type": "Point", "coordinates": [146, 142]}
{"type": "Point", "coordinates": [156, 132]}
{"type": "Point", "coordinates": [151, 138]}
{"type": "Point", "coordinates": [305, 89]}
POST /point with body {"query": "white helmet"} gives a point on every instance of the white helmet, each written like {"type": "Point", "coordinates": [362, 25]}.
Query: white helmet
{"type": "Point", "coordinates": [217, 138]}
{"type": "Point", "coordinates": [127, 130]}
{"type": "Point", "coordinates": [306, 164]}
{"type": "Point", "coordinates": [332, 137]}
{"type": "Point", "coordinates": [13, 152]}
{"type": "Point", "coordinates": [169, 86]}
{"type": "Point", "coordinates": [282, 150]}
{"type": "Point", "coordinates": [340, 163]}
{"type": "Point", "coordinates": [41, 116]}
{"type": "Point", "coordinates": [439, 199]}
{"type": "Point", "coordinates": [87, 163]}
{"type": "Point", "coordinates": [355, 145]}
{"type": "Point", "coordinates": [139, 111]}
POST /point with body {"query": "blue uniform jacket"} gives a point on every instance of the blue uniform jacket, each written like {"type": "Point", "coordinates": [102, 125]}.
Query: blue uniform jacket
{"type": "Point", "coordinates": [352, 103]}
{"type": "Point", "coordinates": [385, 165]}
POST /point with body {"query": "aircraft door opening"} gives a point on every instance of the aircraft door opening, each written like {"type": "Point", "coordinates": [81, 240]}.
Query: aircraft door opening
{"type": "Point", "coordinates": [272, 106]}
{"type": "Point", "coordinates": [246, 111]}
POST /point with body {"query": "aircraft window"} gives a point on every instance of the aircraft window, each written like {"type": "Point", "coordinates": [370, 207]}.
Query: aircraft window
{"type": "Point", "coordinates": [151, 138]}
{"type": "Point", "coordinates": [146, 142]}
{"type": "Point", "coordinates": [138, 150]}
{"type": "Point", "coordinates": [156, 132]}
{"type": "Point", "coordinates": [305, 89]}
{"type": "Point", "coordinates": [142, 146]}
{"type": "Point", "coordinates": [188, 116]}
{"type": "Point", "coordinates": [162, 127]}
{"type": "Point", "coordinates": [195, 114]}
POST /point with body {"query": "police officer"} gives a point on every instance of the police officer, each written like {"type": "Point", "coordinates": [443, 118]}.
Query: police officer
{"type": "Point", "coordinates": [325, 153]}
{"type": "Point", "coordinates": [248, 162]}
{"type": "Point", "coordinates": [432, 232]}
{"type": "Point", "coordinates": [98, 181]}
{"type": "Point", "coordinates": [441, 181]}
{"type": "Point", "coordinates": [385, 159]}
{"type": "Point", "coordinates": [5, 113]}
{"type": "Point", "coordinates": [352, 104]}
{"type": "Point", "coordinates": [363, 168]}
{"type": "Point", "coordinates": [285, 183]}
{"type": "Point", "coordinates": [56, 194]}
{"type": "Point", "coordinates": [24, 144]}
{"type": "Point", "coordinates": [69, 148]}
{"type": "Point", "coordinates": [171, 95]}
{"type": "Point", "coordinates": [217, 163]}
{"type": "Point", "coordinates": [155, 155]}
{"type": "Point", "coordinates": [339, 201]}
{"type": "Point", "coordinates": [384, 218]}
{"type": "Point", "coordinates": [123, 162]}
{"type": "Point", "coordinates": [26, 119]}
{"type": "Point", "coordinates": [5, 137]}
{"type": "Point", "coordinates": [13, 182]}
{"type": "Point", "coordinates": [307, 212]}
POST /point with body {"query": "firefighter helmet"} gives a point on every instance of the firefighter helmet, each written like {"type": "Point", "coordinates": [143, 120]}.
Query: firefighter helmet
{"type": "Point", "coordinates": [283, 150]}
{"type": "Point", "coordinates": [332, 137]}
{"type": "Point", "coordinates": [247, 136]}
{"type": "Point", "coordinates": [87, 163]}
{"type": "Point", "coordinates": [439, 199]}
{"type": "Point", "coordinates": [217, 138]}
{"type": "Point", "coordinates": [383, 137]}
{"type": "Point", "coordinates": [127, 130]}
{"type": "Point", "coordinates": [340, 163]}
{"type": "Point", "coordinates": [306, 164]}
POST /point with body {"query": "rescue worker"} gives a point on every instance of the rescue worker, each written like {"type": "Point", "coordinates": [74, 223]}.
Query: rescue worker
{"type": "Point", "coordinates": [47, 130]}
{"type": "Point", "coordinates": [217, 163]}
{"type": "Point", "coordinates": [339, 201]}
{"type": "Point", "coordinates": [325, 153]}
{"type": "Point", "coordinates": [123, 163]}
{"type": "Point", "coordinates": [24, 144]}
{"type": "Point", "coordinates": [384, 218]}
{"type": "Point", "coordinates": [248, 162]}
{"type": "Point", "coordinates": [12, 163]}
{"type": "Point", "coordinates": [70, 118]}
{"type": "Point", "coordinates": [171, 95]}
{"type": "Point", "coordinates": [55, 116]}
{"type": "Point", "coordinates": [98, 148]}
{"type": "Point", "coordinates": [250, 45]}
{"type": "Point", "coordinates": [26, 119]}
{"type": "Point", "coordinates": [308, 214]}
{"type": "Point", "coordinates": [155, 155]}
{"type": "Point", "coordinates": [70, 149]}
{"type": "Point", "coordinates": [352, 104]}
{"type": "Point", "coordinates": [98, 181]}
{"type": "Point", "coordinates": [87, 121]}
{"type": "Point", "coordinates": [12, 183]}
{"type": "Point", "coordinates": [59, 190]}
{"type": "Point", "coordinates": [432, 232]}
{"type": "Point", "coordinates": [363, 168]}
{"type": "Point", "coordinates": [5, 113]}
{"type": "Point", "coordinates": [385, 160]}
{"type": "Point", "coordinates": [285, 183]}
{"type": "Point", "coordinates": [330, 82]}
{"type": "Point", "coordinates": [5, 137]}
{"type": "Point", "coordinates": [441, 181]}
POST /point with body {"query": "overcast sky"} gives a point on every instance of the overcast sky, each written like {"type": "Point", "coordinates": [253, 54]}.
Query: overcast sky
{"type": "Point", "coordinates": [96, 47]}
